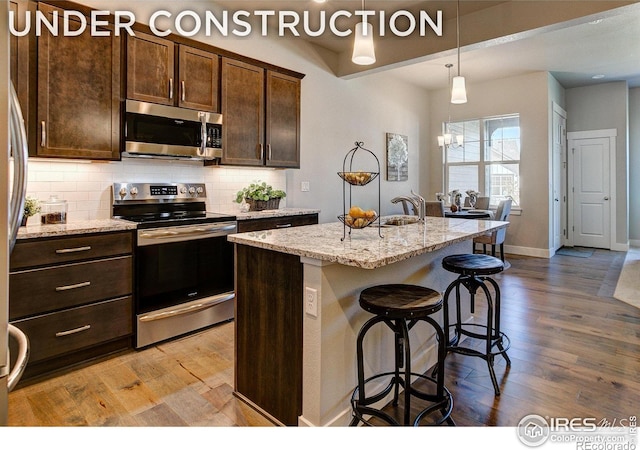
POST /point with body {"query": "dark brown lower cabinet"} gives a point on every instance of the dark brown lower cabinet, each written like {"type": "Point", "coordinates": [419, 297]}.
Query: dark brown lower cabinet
{"type": "Point", "coordinates": [72, 297]}
{"type": "Point", "coordinates": [269, 315]}
{"type": "Point", "coordinates": [270, 223]}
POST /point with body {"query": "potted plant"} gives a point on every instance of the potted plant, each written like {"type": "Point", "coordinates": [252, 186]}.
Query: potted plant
{"type": "Point", "coordinates": [31, 207]}
{"type": "Point", "coordinates": [260, 196]}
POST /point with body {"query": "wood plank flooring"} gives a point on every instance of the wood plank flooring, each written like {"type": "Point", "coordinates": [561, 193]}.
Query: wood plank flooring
{"type": "Point", "coordinates": [575, 352]}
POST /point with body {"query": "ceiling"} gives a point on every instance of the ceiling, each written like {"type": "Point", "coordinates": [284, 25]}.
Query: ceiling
{"type": "Point", "coordinates": [573, 51]}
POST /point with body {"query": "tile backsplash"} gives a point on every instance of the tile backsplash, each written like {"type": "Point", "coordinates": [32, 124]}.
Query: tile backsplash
{"type": "Point", "coordinates": [86, 186]}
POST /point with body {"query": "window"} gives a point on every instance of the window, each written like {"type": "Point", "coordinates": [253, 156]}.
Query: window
{"type": "Point", "coordinates": [488, 161]}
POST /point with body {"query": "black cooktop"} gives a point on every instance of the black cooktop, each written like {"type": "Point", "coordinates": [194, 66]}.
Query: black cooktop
{"type": "Point", "coordinates": [168, 214]}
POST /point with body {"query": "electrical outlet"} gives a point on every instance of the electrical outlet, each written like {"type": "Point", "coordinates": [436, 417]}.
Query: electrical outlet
{"type": "Point", "coordinates": [311, 301]}
{"type": "Point", "coordinates": [304, 186]}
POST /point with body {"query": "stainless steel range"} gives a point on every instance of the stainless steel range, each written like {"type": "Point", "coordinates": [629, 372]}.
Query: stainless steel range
{"type": "Point", "coordinates": [184, 263]}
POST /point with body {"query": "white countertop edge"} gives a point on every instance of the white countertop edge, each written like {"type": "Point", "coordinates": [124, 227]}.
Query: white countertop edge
{"type": "Point", "coordinates": [268, 213]}
{"type": "Point", "coordinates": [72, 228]}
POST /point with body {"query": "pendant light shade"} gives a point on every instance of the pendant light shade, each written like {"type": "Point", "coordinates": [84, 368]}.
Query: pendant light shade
{"type": "Point", "coordinates": [363, 51]}
{"type": "Point", "coordinates": [458, 91]}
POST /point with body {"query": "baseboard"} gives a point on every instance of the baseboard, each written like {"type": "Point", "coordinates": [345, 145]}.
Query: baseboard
{"type": "Point", "coordinates": [529, 251]}
{"type": "Point", "coordinates": [549, 252]}
{"type": "Point", "coordinates": [617, 247]}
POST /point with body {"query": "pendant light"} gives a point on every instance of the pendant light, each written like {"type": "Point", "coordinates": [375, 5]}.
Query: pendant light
{"type": "Point", "coordinates": [446, 140]}
{"type": "Point", "coordinates": [363, 51]}
{"type": "Point", "coordinates": [458, 91]}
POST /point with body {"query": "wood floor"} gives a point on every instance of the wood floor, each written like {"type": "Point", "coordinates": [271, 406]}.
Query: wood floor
{"type": "Point", "coordinates": [575, 352]}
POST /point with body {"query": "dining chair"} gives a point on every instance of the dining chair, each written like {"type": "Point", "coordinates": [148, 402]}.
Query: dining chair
{"type": "Point", "coordinates": [496, 237]}
{"type": "Point", "coordinates": [481, 203]}
{"type": "Point", "coordinates": [435, 209]}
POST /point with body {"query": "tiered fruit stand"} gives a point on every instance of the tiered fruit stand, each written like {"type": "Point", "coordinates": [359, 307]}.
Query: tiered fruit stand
{"type": "Point", "coordinates": [358, 178]}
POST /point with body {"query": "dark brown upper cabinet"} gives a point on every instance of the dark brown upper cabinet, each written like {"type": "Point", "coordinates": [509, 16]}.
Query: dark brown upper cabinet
{"type": "Point", "coordinates": [151, 73]}
{"type": "Point", "coordinates": [261, 114]}
{"type": "Point", "coordinates": [282, 120]}
{"type": "Point", "coordinates": [79, 91]}
{"type": "Point", "coordinates": [198, 79]}
{"type": "Point", "coordinates": [242, 113]}
{"type": "Point", "coordinates": [19, 51]}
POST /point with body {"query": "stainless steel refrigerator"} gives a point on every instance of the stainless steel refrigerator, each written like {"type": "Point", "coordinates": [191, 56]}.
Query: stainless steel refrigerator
{"type": "Point", "coordinates": [13, 182]}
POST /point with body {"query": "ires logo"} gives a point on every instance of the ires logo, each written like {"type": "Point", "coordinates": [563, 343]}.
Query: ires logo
{"type": "Point", "coordinates": [575, 424]}
{"type": "Point", "coordinates": [534, 430]}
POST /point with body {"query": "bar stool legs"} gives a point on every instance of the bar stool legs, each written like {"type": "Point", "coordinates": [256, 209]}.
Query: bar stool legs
{"type": "Point", "coordinates": [401, 377]}
{"type": "Point", "coordinates": [496, 342]}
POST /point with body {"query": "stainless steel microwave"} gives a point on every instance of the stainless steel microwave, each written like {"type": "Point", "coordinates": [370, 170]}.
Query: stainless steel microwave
{"type": "Point", "coordinates": [162, 131]}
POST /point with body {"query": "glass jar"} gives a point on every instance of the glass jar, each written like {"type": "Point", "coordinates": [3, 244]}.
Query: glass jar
{"type": "Point", "coordinates": [54, 211]}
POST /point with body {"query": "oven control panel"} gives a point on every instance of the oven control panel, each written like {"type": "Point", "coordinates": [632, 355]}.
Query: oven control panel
{"type": "Point", "coordinates": [125, 192]}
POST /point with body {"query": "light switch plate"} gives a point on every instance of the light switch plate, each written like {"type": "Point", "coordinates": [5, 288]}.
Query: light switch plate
{"type": "Point", "coordinates": [304, 186]}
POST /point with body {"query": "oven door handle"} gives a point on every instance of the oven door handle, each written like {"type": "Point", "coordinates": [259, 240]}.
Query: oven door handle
{"type": "Point", "coordinates": [188, 308]}
{"type": "Point", "coordinates": [201, 230]}
{"type": "Point", "coordinates": [194, 232]}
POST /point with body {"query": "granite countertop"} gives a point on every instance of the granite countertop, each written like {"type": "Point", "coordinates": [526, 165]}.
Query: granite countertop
{"type": "Point", "coordinates": [79, 227]}
{"type": "Point", "coordinates": [364, 248]}
{"type": "Point", "coordinates": [283, 212]}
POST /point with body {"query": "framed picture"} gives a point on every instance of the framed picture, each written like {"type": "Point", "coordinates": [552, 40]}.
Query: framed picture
{"type": "Point", "coordinates": [397, 157]}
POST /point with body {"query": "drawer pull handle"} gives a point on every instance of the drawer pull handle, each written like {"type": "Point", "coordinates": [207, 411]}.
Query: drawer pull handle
{"type": "Point", "coordinates": [74, 331]}
{"type": "Point", "coordinates": [73, 286]}
{"type": "Point", "coordinates": [284, 225]}
{"type": "Point", "coordinates": [73, 250]}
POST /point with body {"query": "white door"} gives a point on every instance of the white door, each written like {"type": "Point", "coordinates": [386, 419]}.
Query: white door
{"type": "Point", "coordinates": [558, 198]}
{"type": "Point", "coordinates": [591, 192]}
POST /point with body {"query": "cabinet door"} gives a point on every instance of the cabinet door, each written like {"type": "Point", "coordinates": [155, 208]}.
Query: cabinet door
{"type": "Point", "coordinates": [198, 87]}
{"type": "Point", "coordinates": [242, 113]}
{"type": "Point", "coordinates": [19, 54]}
{"type": "Point", "coordinates": [150, 69]}
{"type": "Point", "coordinates": [283, 120]}
{"type": "Point", "coordinates": [78, 93]}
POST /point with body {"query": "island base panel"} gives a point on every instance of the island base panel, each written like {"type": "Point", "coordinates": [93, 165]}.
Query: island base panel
{"type": "Point", "coordinates": [268, 334]}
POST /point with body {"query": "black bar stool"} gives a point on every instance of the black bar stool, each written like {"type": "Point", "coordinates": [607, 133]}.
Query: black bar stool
{"type": "Point", "coordinates": [401, 307]}
{"type": "Point", "coordinates": [474, 273]}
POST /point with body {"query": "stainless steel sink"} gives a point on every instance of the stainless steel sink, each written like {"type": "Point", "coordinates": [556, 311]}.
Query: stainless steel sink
{"type": "Point", "coordinates": [399, 221]}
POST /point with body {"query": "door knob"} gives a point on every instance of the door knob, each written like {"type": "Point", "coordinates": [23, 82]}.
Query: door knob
{"type": "Point", "coordinates": [606, 198]}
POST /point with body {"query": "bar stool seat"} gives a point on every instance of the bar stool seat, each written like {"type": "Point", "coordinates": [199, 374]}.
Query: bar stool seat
{"type": "Point", "coordinates": [470, 265]}
{"type": "Point", "coordinates": [474, 271]}
{"type": "Point", "coordinates": [401, 307]}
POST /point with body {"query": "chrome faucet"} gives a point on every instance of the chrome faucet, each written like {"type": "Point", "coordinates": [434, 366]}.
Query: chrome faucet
{"type": "Point", "coordinates": [406, 199]}
{"type": "Point", "coordinates": [422, 205]}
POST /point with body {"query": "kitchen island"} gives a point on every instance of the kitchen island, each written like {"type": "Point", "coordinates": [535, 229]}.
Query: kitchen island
{"type": "Point", "coordinates": [297, 312]}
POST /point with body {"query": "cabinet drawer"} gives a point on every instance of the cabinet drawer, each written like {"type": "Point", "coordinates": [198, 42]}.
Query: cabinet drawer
{"type": "Point", "coordinates": [34, 253]}
{"type": "Point", "coordinates": [73, 329]}
{"type": "Point", "coordinates": [276, 222]}
{"type": "Point", "coordinates": [38, 291]}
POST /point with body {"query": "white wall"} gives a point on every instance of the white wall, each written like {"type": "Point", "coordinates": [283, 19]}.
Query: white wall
{"type": "Point", "coordinates": [527, 95]}
{"type": "Point", "coordinates": [634, 165]}
{"type": "Point", "coordinates": [334, 114]}
{"type": "Point", "coordinates": [606, 106]}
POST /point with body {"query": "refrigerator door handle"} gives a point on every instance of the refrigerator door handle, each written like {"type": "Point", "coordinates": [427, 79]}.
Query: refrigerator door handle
{"type": "Point", "coordinates": [21, 360]}
{"type": "Point", "coordinates": [20, 156]}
